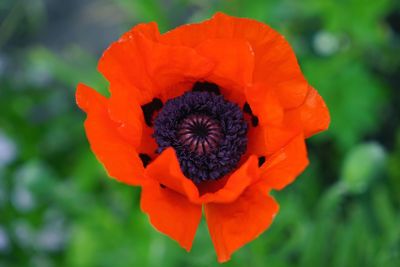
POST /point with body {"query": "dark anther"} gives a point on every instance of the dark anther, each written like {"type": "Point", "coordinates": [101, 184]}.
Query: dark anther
{"type": "Point", "coordinates": [254, 121]}
{"type": "Point", "coordinates": [254, 118]}
{"type": "Point", "coordinates": [261, 161]}
{"type": "Point", "coordinates": [206, 87]}
{"type": "Point", "coordinates": [163, 186]}
{"type": "Point", "coordinates": [145, 159]}
{"type": "Point", "coordinates": [149, 109]}
{"type": "Point", "coordinates": [247, 109]}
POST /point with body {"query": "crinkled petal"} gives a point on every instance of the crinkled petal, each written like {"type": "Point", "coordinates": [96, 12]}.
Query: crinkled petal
{"type": "Point", "coordinates": [256, 141]}
{"type": "Point", "coordinates": [236, 183]}
{"type": "Point", "coordinates": [165, 170]}
{"type": "Point", "coordinates": [128, 113]}
{"type": "Point", "coordinates": [149, 30]}
{"type": "Point", "coordinates": [173, 65]}
{"type": "Point", "coordinates": [219, 26]}
{"type": "Point", "coordinates": [265, 140]}
{"type": "Point", "coordinates": [171, 213]}
{"type": "Point", "coordinates": [233, 225]}
{"type": "Point", "coordinates": [313, 114]}
{"type": "Point", "coordinates": [115, 152]}
{"type": "Point", "coordinates": [282, 168]}
{"type": "Point", "coordinates": [276, 66]}
{"type": "Point", "coordinates": [147, 69]}
{"type": "Point", "coordinates": [265, 104]}
{"type": "Point", "coordinates": [148, 145]}
{"type": "Point", "coordinates": [234, 62]}
{"type": "Point", "coordinates": [275, 62]}
{"type": "Point", "coordinates": [277, 137]}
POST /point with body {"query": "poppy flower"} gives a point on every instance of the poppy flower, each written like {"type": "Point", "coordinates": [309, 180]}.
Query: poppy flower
{"type": "Point", "coordinates": [212, 116]}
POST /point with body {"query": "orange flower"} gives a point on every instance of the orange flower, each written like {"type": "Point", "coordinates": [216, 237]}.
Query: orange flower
{"type": "Point", "coordinates": [209, 115]}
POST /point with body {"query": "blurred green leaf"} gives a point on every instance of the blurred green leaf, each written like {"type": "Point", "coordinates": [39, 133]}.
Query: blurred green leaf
{"type": "Point", "coordinates": [42, 62]}
{"type": "Point", "coordinates": [362, 164]}
{"type": "Point", "coordinates": [353, 96]}
{"type": "Point", "coordinates": [148, 10]}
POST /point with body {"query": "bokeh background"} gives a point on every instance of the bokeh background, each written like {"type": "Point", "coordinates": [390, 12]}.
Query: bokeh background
{"type": "Point", "coordinates": [59, 208]}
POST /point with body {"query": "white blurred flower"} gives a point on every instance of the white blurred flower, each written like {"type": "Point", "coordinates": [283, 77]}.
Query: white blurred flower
{"type": "Point", "coordinates": [3, 63]}
{"type": "Point", "coordinates": [325, 43]}
{"type": "Point", "coordinates": [53, 234]}
{"type": "Point", "coordinates": [22, 199]}
{"type": "Point", "coordinates": [8, 150]}
{"type": "Point", "coordinates": [24, 233]}
{"type": "Point", "coordinates": [4, 241]}
{"type": "Point", "coordinates": [42, 261]}
{"type": "Point", "coordinates": [3, 190]}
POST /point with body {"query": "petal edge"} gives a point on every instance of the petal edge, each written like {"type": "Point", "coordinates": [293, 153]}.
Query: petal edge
{"type": "Point", "coordinates": [233, 225]}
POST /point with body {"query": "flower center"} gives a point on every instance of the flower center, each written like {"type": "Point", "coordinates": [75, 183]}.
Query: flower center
{"type": "Point", "coordinates": [208, 133]}
{"type": "Point", "coordinates": [200, 133]}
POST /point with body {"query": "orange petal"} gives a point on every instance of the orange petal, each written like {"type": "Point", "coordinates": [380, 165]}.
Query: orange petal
{"type": "Point", "coordinates": [116, 154]}
{"type": "Point", "coordinates": [236, 183]}
{"type": "Point", "coordinates": [148, 145]}
{"type": "Point", "coordinates": [264, 104]}
{"type": "Point", "coordinates": [125, 68]}
{"type": "Point", "coordinates": [234, 62]}
{"type": "Point", "coordinates": [165, 170]}
{"type": "Point", "coordinates": [219, 26]}
{"type": "Point", "coordinates": [233, 225]}
{"type": "Point", "coordinates": [146, 69]}
{"type": "Point", "coordinates": [171, 213]}
{"type": "Point", "coordinates": [276, 66]}
{"type": "Point", "coordinates": [265, 140]}
{"type": "Point", "coordinates": [313, 114]}
{"type": "Point", "coordinates": [150, 30]}
{"type": "Point", "coordinates": [173, 65]}
{"type": "Point", "coordinates": [256, 141]}
{"type": "Point", "coordinates": [281, 168]}
{"type": "Point", "coordinates": [275, 61]}
{"type": "Point", "coordinates": [128, 114]}
{"type": "Point", "coordinates": [277, 137]}
{"type": "Point", "coordinates": [89, 100]}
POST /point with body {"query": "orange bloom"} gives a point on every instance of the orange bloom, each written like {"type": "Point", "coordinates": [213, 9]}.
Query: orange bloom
{"type": "Point", "coordinates": [249, 139]}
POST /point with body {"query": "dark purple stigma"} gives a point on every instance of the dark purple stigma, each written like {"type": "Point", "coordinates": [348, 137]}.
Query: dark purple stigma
{"type": "Point", "coordinates": [200, 133]}
{"type": "Point", "coordinates": [208, 133]}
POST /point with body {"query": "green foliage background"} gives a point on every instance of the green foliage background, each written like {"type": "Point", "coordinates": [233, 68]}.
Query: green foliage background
{"type": "Point", "coordinates": [58, 208]}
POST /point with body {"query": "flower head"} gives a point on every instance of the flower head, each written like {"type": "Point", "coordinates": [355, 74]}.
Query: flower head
{"type": "Point", "coordinates": [210, 115]}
